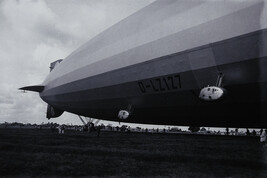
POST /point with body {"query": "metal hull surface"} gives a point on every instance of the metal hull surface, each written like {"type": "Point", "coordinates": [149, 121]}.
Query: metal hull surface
{"type": "Point", "coordinates": [160, 76]}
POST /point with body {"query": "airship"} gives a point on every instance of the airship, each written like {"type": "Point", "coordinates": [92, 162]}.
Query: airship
{"type": "Point", "coordinates": [187, 63]}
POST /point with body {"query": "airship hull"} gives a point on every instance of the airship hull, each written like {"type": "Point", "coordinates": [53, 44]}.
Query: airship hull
{"type": "Point", "coordinates": [172, 98]}
{"type": "Point", "coordinates": [160, 77]}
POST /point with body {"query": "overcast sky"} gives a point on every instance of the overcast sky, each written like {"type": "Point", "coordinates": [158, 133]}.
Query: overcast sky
{"type": "Point", "coordinates": [34, 33]}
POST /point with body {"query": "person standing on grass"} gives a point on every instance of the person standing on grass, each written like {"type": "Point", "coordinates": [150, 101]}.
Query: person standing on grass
{"type": "Point", "coordinates": [254, 133]}
{"type": "Point", "coordinates": [59, 129]}
{"type": "Point", "coordinates": [248, 132]}
{"type": "Point", "coordinates": [263, 136]}
{"type": "Point", "coordinates": [227, 131]}
{"type": "Point", "coordinates": [236, 131]}
{"type": "Point", "coordinates": [261, 131]}
{"type": "Point", "coordinates": [62, 129]}
{"type": "Point", "coordinates": [52, 127]}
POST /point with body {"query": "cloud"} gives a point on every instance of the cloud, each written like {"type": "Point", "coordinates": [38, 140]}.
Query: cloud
{"type": "Point", "coordinates": [6, 100]}
{"type": "Point", "coordinates": [35, 33]}
{"type": "Point", "coordinates": [30, 40]}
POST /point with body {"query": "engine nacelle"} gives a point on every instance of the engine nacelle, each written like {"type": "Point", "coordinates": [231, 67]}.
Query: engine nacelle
{"type": "Point", "coordinates": [123, 114]}
{"type": "Point", "coordinates": [53, 112]}
{"type": "Point", "coordinates": [212, 93]}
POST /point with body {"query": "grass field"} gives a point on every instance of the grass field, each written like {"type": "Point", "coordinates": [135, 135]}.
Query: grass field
{"type": "Point", "coordinates": [30, 152]}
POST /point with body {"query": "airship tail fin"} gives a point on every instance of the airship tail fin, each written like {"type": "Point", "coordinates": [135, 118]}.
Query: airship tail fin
{"type": "Point", "coordinates": [35, 88]}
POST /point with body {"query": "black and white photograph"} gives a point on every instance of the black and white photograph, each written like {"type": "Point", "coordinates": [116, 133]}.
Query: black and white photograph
{"type": "Point", "coordinates": [133, 88]}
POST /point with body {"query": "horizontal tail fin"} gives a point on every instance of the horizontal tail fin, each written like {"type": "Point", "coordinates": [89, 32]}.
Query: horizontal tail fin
{"type": "Point", "coordinates": [36, 88]}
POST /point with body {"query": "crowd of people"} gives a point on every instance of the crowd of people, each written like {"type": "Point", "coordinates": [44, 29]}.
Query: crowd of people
{"type": "Point", "coordinates": [90, 127]}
